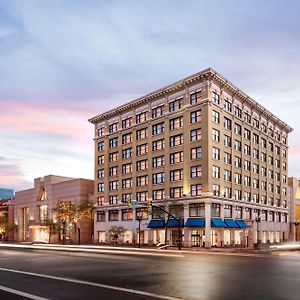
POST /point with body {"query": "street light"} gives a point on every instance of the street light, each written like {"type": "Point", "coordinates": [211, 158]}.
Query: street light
{"type": "Point", "coordinates": [296, 224]}
{"type": "Point", "coordinates": [139, 219]}
{"type": "Point", "coordinates": [258, 220]}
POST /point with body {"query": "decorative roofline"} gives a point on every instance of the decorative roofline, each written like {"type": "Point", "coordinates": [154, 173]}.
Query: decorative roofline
{"type": "Point", "coordinates": [207, 74]}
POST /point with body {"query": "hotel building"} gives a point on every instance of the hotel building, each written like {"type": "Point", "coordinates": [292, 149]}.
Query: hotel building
{"type": "Point", "coordinates": [201, 149]}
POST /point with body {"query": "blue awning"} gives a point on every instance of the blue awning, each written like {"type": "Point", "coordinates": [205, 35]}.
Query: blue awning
{"type": "Point", "coordinates": [241, 223]}
{"type": "Point", "coordinates": [156, 224]}
{"type": "Point", "coordinates": [195, 222]}
{"type": "Point", "coordinates": [217, 222]}
{"type": "Point", "coordinates": [231, 223]}
{"type": "Point", "coordinates": [174, 223]}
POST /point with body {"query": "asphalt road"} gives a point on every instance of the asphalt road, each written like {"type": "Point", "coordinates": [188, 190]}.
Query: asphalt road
{"type": "Point", "coordinates": [44, 274]}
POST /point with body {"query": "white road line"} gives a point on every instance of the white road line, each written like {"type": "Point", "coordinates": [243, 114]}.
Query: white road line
{"type": "Point", "coordinates": [104, 286]}
{"type": "Point", "coordinates": [19, 293]}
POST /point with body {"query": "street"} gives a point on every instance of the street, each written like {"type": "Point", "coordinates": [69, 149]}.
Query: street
{"type": "Point", "coordinates": [45, 274]}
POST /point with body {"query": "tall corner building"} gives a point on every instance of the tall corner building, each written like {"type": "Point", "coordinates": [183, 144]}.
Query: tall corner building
{"type": "Point", "coordinates": [205, 152]}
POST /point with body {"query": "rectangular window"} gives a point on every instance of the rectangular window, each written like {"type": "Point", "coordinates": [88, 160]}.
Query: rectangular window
{"type": "Point", "coordinates": [142, 134]}
{"type": "Point", "coordinates": [227, 211]}
{"type": "Point", "coordinates": [114, 171]}
{"type": "Point", "coordinates": [100, 187]}
{"type": "Point", "coordinates": [158, 128]}
{"type": "Point", "coordinates": [195, 116]}
{"type": "Point", "coordinates": [215, 117]}
{"type": "Point", "coordinates": [237, 145]}
{"type": "Point", "coordinates": [158, 111]}
{"type": "Point", "coordinates": [101, 216]}
{"type": "Point", "coordinates": [216, 172]}
{"type": "Point", "coordinates": [142, 180]}
{"type": "Point", "coordinates": [216, 135]}
{"type": "Point", "coordinates": [237, 162]}
{"type": "Point", "coordinates": [238, 111]}
{"type": "Point", "coordinates": [195, 97]}
{"type": "Point", "coordinates": [227, 123]}
{"type": "Point", "coordinates": [227, 105]}
{"type": "Point", "coordinates": [127, 138]}
{"type": "Point", "coordinates": [216, 97]}
{"type": "Point", "coordinates": [126, 123]}
{"type": "Point", "coordinates": [158, 161]}
{"type": "Point", "coordinates": [216, 153]}
{"type": "Point", "coordinates": [176, 192]}
{"type": "Point", "coordinates": [176, 123]}
{"type": "Point", "coordinates": [142, 196]}
{"type": "Point", "coordinates": [196, 153]}
{"type": "Point", "coordinates": [113, 185]}
{"type": "Point", "coordinates": [100, 159]}
{"type": "Point", "coordinates": [127, 214]}
{"type": "Point", "coordinates": [113, 215]}
{"type": "Point", "coordinates": [127, 168]}
{"type": "Point", "coordinates": [227, 158]}
{"type": "Point", "coordinates": [197, 210]}
{"type": "Point", "coordinates": [141, 117]}
{"type": "Point", "coordinates": [113, 127]}
{"type": "Point", "coordinates": [142, 165]}
{"type": "Point", "coordinates": [176, 140]}
{"type": "Point", "coordinates": [158, 178]}
{"type": "Point", "coordinates": [101, 146]}
{"type": "Point", "coordinates": [127, 183]}
{"type": "Point", "coordinates": [196, 189]}
{"type": "Point", "coordinates": [113, 143]}
{"type": "Point", "coordinates": [176, 175]}
{"type": "Point", "coordinates": [215, 210]}
{"type": "Point", "coordinates": [227, 175]}
{"type": "Point", "coordinates": [196, 171]}
{"type": "Point", "coordinates": [158, 145]}
{"type": "Point", "coordinates": [176, 157]}
{"type": "Point", "coordinates": [141, 149]}
{"type": "Point", "coordinates": [195, 135]}
{"type": "Point", "coordinates": [127, 153]}
{"type": "Point", "coordinates": [158, 194]}
{"type": "Point", "coordinates": [175, 105]}
{"type": "Point", "coordinates": [237, 129]}
{"type": "Point", "coordinates": [227, 140]}
{"type": "Point", "coordinates": [216, 189]}
{"type": "Point", "coordinates": [100, 173]}
{"type": "Point", "coordinates": [113, 156]}
{"type": "Point", "coordinates": [247, 134]}
{"type": "Point", "coordinates": [113, 199]}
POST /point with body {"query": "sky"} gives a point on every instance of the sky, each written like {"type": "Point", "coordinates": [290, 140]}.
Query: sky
{"type": "Point", "coordinates": [64, 61]}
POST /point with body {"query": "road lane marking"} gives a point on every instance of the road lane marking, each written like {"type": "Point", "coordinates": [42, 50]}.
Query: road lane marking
{"type": "Point", "coordinates": [104, 286]}
{"type": "Point", "coordinates": [19, 293]}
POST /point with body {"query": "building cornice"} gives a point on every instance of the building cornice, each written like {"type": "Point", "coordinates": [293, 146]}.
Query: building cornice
{"type": "Point", "coordinates": [208, 74]}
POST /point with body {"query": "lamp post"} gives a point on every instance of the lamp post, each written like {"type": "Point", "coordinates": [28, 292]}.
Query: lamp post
{"type": "Point", "coordinates": [139, 219]}
{"type": "Point", "coordinates": [258, 220]}
{"type": "Point", "coordinates": [296, 224]}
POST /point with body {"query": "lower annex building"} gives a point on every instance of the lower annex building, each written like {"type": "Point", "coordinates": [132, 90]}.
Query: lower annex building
{"type": "Point", "coordinates": [201, 149]}
{"type": "Point", "coordinates": [36, 215]}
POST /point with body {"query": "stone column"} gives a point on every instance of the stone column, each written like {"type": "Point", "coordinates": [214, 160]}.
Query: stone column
{"type": "Point", "coordinates": [186, 230]}
{"type": "Point", "coordinates": [221, 240]}
{"type": "Point", "coordinates": [207, 225]}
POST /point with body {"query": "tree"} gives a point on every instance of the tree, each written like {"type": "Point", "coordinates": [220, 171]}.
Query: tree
{"type": "Point", "coordinates": [86, 210]}
{"type": "Point", "coordinates": [66, 215]}
{"type": "Point", "coordinates": [114, 233]}
{"type": "Point", "coordinates": [4, 226]}
{"type": "Point", "coordinates": [51, 228]}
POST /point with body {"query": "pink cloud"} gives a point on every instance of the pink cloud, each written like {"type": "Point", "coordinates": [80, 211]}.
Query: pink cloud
{"type": "Point", "coordinates": [47, 118]}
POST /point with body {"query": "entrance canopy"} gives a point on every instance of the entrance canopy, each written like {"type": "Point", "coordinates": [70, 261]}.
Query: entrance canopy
{"type": "Point", "coordinates": [195, 222]}
{"type": "Point", "coordinates": [156, 224]}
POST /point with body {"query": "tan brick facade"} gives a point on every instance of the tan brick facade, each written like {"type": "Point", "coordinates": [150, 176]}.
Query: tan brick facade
{"type": "Point", "coordinates": [222, 150]}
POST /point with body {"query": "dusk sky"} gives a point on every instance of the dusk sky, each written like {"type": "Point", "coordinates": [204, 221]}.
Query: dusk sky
{"type": "Point", "coordinates": [64, 61]}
